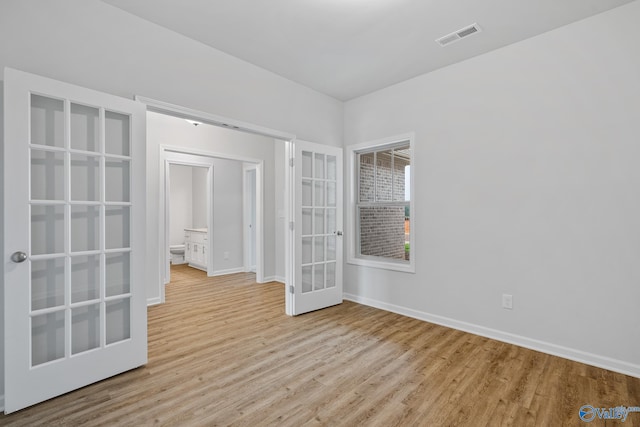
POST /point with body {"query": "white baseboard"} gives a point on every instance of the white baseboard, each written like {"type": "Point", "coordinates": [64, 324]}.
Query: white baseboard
{"type": "Point", "coordinates": [273, 279]}
{"type": "Point", "coordinates": [154, 301]}
{"type": "Point", "coordinates": [228, 271]}
{"type": "Point", "coordinates": [533, 344]}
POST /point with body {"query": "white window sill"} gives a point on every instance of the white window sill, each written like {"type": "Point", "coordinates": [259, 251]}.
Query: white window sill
{"type": "Point", "coordinates": [405, 267]}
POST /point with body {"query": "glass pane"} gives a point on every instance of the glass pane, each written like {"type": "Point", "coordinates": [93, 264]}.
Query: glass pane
{"type": "Point", "coordinates": [407, 233]}
{"type": "Point", "coordinates": [307, 164]}
{"type": "Point", "coordinates": [85, 278]}
{"type": "Point", "coordinates": [318, 249]}
{"type": "Point", "coordinates": [331, 167]}
{"type": "Point", "coordinates": [85, 228]}
{"type": "Point", "coordinates": [117, 179]}
{"type": "Point", "coordinates": [47, 121]}
{"type": "Point", "coordinates": [47, 229]}
{"type": "Point", "coordinates": [116, 129]}
{"type": "Point", "coordinates": [318, 276]}
{"type": "Point", "coordinates": [319, 221]}
{"type": "Point", "coordinates": [331, 275]}
{"type": "Point", "coordinates": [383, 176]}
{"type": "Point", "coordinates": [118, 274]}
{"type": "Point", "coordinates": [401, 165]}
{"type": "Point", "coordinates": [331, 193]}
{"type": "Point", "coordinates": [47, 337]}
{"type": "Point", "coordinates": [387, 241]}
{"type": "Point", "coordinates": [117, 223]}
{"type": "Point", "coordinates": [306, 279]}
{"type": "Point", "coordinates": [366, 187]}
{"type": "Point", "coordinates": [306, 250]}
{"type": "Point", "coordinates": [306, 222]}
{"type": "Point", "coordinates": [85, 128]}
{"type": "Point", "coordinates": [331, 248]}
{"type": "Point", "coordinates": [85, 328]}
{"type": "Point", "coordinates": [118, 320]}
{"type": "Point", "coordinates": [319, 166]}
{"type": "Point", "coordinates": [85, 178]}
{"type": "Point", "coordinates": [47, 283]}
{"type": "Point", "coordinates": [331, 221]}
{"type": "Point", "coordinates": [307, 199]}
{"type": "Point", "coordinates": [47, 175]}
{"type": "Point", "coordinates": [319, 193]}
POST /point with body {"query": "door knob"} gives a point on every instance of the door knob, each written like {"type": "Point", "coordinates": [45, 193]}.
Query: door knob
{"type": "Point", "coordinates": [18, 257]}
{"type": "Point", "coordinates": [339, 233]}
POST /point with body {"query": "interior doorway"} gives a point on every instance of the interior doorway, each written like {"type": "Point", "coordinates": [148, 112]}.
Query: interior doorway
{"type": "Point", "coordinates": [249, 217]}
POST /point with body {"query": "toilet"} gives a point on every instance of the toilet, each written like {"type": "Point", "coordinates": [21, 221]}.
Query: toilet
{"type": "Point", "coordinates": [177, 254]}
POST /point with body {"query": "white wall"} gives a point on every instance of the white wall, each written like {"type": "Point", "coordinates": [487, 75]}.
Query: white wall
{"type": "Point", "coordinates": [180, 202]}
{"type": "Point", "coordinates": [527, 183]}
{"type": "Point", "coordinates": [227, 216]}
{"type": "Point", "coordinates": [199, 197]}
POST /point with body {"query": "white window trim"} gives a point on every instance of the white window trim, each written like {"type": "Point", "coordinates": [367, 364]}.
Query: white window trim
{"type": "Point", "coordinates": [352, 185]}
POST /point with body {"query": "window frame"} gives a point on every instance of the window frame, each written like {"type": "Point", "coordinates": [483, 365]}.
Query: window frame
{"type": "Point", "coordinates": [353, 237]}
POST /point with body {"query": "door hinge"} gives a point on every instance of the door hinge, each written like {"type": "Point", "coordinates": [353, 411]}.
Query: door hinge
{"type": "Point", "coordinates": [290, 289]}
{"type": "Point", "coordinates": [291, 162]}
{"type": "Point", "coordinates": [291, 225]}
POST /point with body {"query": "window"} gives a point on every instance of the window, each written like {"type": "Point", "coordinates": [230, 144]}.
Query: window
{"type": "Point", "coordinates": [380, 215]}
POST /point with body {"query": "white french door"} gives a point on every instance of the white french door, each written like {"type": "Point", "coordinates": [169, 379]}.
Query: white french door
{"type": "Point", "coordinates": [75, 298]}
{"type": "Point", "coordinates": [317, 270]}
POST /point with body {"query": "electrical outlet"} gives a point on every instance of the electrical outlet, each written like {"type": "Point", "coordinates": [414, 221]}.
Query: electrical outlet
{"type": "Point", "coordinates": [507, 301]}
{"type": "Point", "coordinates": [226, 255]}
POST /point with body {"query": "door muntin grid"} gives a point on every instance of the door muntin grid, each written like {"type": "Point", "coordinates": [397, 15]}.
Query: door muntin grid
{"type": "Point", "coordinates": [319, 210]}
{"type": "Point", "coordinates": [80, 228]}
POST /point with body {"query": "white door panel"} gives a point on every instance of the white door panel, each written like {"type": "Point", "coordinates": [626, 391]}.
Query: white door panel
{"type": "Point", "coordinates": [75, 304]}
{"type": "Point", "coordinates": [317, 227]}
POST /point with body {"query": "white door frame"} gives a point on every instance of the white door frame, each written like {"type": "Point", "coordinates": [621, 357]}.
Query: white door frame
{"type": "Point", "coordinates": [249, 201]}
{"type": "Point", "coordinates": [289, 138]}
{"type": "Point", "coordinates": [168, 158]}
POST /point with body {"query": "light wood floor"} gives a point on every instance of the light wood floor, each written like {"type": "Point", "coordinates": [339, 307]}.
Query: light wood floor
{"type": "Point", "coordinates": [222, 352]}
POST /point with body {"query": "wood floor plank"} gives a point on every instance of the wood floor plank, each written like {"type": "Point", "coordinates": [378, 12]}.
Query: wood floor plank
{"type": "Point", "coordinates": [222, 352]}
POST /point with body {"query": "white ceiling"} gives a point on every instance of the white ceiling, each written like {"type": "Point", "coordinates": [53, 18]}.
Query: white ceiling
{"type": "Point", "coordinates": [347, 48]}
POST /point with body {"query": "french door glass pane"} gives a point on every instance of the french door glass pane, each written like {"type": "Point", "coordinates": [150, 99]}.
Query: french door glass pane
{"type": "Point", "coordinates": [306, 221]}
{"type": "Point", "coordinates": [47, 283]}
{"type": "Point", "coordinates": [319, 249]}
{"type": "Point", "coordinates": [318, 276]}
{"type": "Point", "coordinates": [118, 320]}
{"type": "Point", "coordinates": [117, 227]}
{"type": "Point", "coordinates": [331, 193]}
{"type": "Point", "coordinates": [47, 175]}
{"type": "Point", "coordinates": [85, 328]}
{"type": "Point", "coordinates": [306, 250]}
{"type": "Point", "coordinates": [319, 193]}
{"type": "Point", "coordinates": [331, 220]}
{"type": "Point", "coordinates": [117, 135]}
{"type": "Point", "coordinates": [307, 191]}
{"type": "Point", "coordinates": [331, 248]}
{"type": "Point", "coordinates": [319, 166]}
{"type": "Point", "coordinates": [118, 274]}
{"type": "Point", "coordinates": [47, 121]}
{"type": "Point", "coordinates": [85, 178]}
{"type": "Point", "coordinates": [85, 128]}
{"type": "Point", "coordinates": [85, 278]}
{"type": "Point", "coordinates": [319, 221]}
{"type": "Point", "coordinates": [306, 279]}
{"type": "Point", "coordinates": [47, 337]}
{"type": "Point", "coordinates": [85, 228]}
{"type": "Point", "coordinates": [47, 229]}
{"type": "Point", "coordinates": [117, 179]}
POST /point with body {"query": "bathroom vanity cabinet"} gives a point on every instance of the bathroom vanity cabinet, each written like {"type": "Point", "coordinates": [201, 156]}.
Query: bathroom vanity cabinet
{"type": "Point", "coordinates": [196, 246]}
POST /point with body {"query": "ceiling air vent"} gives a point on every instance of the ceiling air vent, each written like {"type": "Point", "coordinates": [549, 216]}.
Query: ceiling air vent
{"type": "Point", "coordinates": [458, 35]}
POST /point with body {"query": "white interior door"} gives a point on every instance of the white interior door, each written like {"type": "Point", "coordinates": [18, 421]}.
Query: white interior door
{"type": "Point", "coordinates": [75, 303]}
{"type": "Point", "coordinates": [317, 270]}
